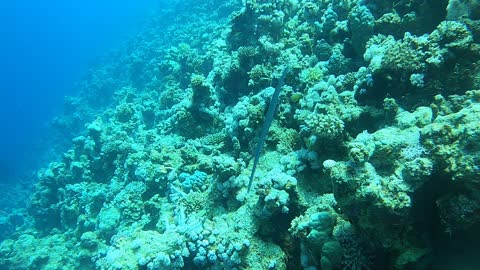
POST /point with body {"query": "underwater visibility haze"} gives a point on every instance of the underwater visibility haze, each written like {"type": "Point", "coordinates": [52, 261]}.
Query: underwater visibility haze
{"type": "Point", "coordinates": [230, 134]}
{"type": "Point", "coordinates": [46, 47]}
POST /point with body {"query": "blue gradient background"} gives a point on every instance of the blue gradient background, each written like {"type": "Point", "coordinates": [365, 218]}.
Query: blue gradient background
{"type": "Point", "coordinates": [45, 47]}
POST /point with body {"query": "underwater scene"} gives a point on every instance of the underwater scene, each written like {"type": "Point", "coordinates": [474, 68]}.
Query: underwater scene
{"type": "Point", "coordinates": [255, 134]}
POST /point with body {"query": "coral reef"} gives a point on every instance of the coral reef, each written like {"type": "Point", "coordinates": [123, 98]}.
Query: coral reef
{"type": "Point", "coordinates": [372, 160]}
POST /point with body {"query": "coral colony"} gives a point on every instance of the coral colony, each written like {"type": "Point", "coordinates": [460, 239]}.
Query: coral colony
{"type": "Point", "coordinates": [195, 147]}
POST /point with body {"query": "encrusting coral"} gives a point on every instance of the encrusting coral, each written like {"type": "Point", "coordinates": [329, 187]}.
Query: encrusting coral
{"type": "Point", "coordinates": [372, 160]}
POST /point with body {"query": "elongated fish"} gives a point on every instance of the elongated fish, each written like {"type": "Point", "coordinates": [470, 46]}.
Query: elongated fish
{"type": "Point", "coordinates": [266, 125]}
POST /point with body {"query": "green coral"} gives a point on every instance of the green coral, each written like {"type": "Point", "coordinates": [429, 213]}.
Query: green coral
{"type": "Point", "coordinates": [377, 124]}
{"type": "Point", "coordinates": [324, 125]}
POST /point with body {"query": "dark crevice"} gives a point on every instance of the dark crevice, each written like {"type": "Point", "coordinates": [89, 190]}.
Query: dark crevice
{"type": "Point", "coordinates": [458, 250]}
{"type": "Point", "coordinates": [275, 229]}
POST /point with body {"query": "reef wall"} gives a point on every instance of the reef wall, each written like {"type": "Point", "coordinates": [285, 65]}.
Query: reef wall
{"type": "Point", "coordinates": [372, 161]}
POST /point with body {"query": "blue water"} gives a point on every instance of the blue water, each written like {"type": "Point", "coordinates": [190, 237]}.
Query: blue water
{"type": "Point", "coordinates": [45, 47]}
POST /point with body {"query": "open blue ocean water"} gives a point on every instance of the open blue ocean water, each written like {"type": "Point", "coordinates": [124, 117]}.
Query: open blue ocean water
{"type": "Point", "coordinates": [240, 134]}
{"type": "Point", "coordinates": [46, 47]}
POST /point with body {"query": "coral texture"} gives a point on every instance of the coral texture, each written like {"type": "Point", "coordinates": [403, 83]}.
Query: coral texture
{"type": "Point", "coordinates": [372, 160]}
